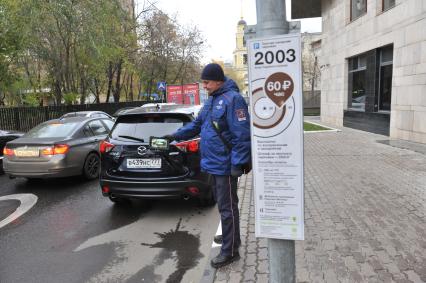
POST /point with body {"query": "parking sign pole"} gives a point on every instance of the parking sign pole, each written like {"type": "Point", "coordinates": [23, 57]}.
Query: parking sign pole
{"type": "Point", "coordinates": [271, 20]}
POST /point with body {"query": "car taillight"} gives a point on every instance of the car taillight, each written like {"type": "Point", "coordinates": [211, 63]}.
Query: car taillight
{"type": "Point", "coordinates": [61, 149]}
{"type": "Point", "coordinates": [8, 151]}
{"type": "Point", "coordinates": [56, 149]}
{"type": "Point", "coordinates": [105, 189]}
{"type": "Point", "coordinates": [105, 146]}
{"type": "Point", "coordinates": [189, 146]}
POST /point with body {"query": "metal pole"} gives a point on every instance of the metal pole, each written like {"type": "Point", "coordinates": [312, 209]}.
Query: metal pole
{"type": "Point", "coordinates": [271, 20]}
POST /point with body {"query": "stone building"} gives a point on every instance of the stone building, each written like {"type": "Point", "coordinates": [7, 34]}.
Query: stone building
{"type": "Point", "coordinates": [373, 64]}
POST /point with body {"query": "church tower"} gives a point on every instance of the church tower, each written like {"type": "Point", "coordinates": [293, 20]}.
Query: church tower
{"type": "Point", "coordinates": [240, 56]}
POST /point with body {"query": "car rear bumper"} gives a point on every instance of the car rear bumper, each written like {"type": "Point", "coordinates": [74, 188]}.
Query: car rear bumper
{"type": "Point", "coordinates": [155, 190]}
{"type": "Point", "coordinates": [50, 169]}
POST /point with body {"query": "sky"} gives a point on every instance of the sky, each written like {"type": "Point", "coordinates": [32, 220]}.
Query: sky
{"type": "Point", "coordinates": [217, 20]}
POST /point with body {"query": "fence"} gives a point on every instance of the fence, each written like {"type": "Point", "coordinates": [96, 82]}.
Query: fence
{"type": "Point", "coordinates": [25, 118]}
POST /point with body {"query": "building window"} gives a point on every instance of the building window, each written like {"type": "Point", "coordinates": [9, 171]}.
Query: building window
{"type": "Point", "coordinates": [385, 79]}
{"type": "Point", "coordinates": [245, 59]}
{"type": "Point", "coordinates": [370, 80]}
{"type": "Point", "coordinates": [357, 82]}
{"type": "Point", "coordinates": [358, 8]}
{"type": "Point", "coordinates": [387, 4]}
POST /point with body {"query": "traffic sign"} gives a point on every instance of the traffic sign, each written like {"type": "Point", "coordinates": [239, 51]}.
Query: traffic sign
{"type": "Point", "coordinates": [161, 86]}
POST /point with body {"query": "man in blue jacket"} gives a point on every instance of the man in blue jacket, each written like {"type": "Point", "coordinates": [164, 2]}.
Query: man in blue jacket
{"type": "Point", "coordinates": [224, 128]}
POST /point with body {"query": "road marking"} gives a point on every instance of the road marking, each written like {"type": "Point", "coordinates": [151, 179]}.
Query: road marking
{"type": "Point", "coordinates": [27, 201]}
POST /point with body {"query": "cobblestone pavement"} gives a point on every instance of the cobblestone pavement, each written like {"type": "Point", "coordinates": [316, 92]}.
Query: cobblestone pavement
{"type": "Point", "coordinates": [365, 214]}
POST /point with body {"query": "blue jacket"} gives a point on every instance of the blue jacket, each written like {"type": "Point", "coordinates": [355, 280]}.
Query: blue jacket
{"type": "Point", "coordinates": [228, 109]}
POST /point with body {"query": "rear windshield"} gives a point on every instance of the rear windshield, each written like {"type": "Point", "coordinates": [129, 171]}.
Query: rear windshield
{"type": "Point", "coordinates": [52, 130]}
{"type": "Point", "coordinates": [145, 126]}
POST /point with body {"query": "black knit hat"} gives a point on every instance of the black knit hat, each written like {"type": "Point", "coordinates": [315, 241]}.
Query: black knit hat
{"type": "Point", "coordinates": [213, 72]}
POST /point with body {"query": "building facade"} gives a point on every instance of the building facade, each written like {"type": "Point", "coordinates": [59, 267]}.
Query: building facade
{"type": "Point", "coordinates": [373, 66]}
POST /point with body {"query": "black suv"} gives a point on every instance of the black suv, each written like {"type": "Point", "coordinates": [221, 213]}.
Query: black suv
{"type": "Point", "coordinates": [6, 136]}
{"type": "Point", "coordinates": [137, 163]}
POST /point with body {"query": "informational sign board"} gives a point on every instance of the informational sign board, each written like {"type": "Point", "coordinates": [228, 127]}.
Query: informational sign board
{"type": "Point", "coordinates": [174, 94]}
{"type": "Point", "coordinates": [184, 94]}
{"type": "Point", "coordinates": [191, 94]}
{"type": "Point", "coordinates": [276, 106]}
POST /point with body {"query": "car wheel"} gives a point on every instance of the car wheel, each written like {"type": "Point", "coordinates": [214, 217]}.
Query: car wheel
{"type": "Point", "coordinates": [92, 166]}
{"type": "Point", "coordinates": [208, 200]}
{"type": "Point", "coordinates": [34, 181]}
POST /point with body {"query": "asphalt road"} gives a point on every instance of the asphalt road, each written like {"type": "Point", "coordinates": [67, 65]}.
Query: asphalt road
{"type": "Point", "coordinates": [73, 234]}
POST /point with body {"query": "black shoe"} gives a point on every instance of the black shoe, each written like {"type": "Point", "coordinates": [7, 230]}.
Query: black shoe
{"type": "Point", "coordinates": [218, 239]}
{"type": "Point", "coordinates": [222, 260]}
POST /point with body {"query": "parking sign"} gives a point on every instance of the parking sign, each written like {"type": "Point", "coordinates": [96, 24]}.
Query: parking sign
{"type": "Point", "coordinates": [277, 136]}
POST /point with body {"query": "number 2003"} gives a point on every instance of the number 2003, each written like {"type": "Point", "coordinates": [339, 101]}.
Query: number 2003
{"type": "Point", "coordinates": [279, 56]}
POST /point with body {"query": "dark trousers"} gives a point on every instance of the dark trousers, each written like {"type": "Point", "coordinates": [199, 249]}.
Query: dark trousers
{"type": "Point", "coordinates": [225, 193]}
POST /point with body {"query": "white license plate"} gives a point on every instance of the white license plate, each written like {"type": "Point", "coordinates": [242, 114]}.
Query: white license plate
{"type": "Point", "coordinates": [144, 163]}
{"type": "Point", "coordinates": [27, 152]}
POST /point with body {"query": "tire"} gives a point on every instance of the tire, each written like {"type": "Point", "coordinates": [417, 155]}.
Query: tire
{"type": "Point", "coordinates": [207, 201]}
{"type": "Point", "coordinates": [33, 181]}
{"type": "Point", "coordinates": [92, 166]}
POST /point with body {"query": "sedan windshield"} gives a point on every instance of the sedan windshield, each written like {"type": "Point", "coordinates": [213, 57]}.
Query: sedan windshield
{"type": "Point", "coordinates": [52, 130]}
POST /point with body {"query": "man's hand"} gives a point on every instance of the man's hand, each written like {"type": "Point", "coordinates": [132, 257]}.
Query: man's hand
{"type": "Point", "coordinates": [170, 138]}
{"type": "Point", "coordinates": [246, 168]}
{"type": "Point", "coordinates": [236, 171]}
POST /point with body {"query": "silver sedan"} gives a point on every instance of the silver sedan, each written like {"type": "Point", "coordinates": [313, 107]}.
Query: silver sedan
{"type": "Point", "coordinates": [58, 148]}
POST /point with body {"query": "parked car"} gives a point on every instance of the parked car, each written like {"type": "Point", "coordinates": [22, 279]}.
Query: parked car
{"type": "Point", "coordinates": [138, 163]}
{"type": "Point", "coordinates": [158, 106]}
{"type": "Point", "coordinates": [184, 108]}
{"type": "Point", "coordinates": [6, 136]}
{"type": "Point", "coordinates": [58, 148]}
{"type": "Point", "coordinates": [193, 109]}
{"type": "Point", "coordinates": [92, 114]}
{"type": "Point", "coordinates": [121, 111]}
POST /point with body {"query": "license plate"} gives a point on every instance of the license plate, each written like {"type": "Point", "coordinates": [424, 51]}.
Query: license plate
{"type": "Point", "coordinates": [27, 152]}
{"type": "Point", "coordinates": [144, 163]}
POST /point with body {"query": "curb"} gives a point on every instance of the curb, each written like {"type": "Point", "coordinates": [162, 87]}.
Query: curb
{"type": "Point", "coordinates": [333, 130]}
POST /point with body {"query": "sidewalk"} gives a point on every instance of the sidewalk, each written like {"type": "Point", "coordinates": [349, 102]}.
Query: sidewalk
{"type": "Point", "coordinates": [365, 214]}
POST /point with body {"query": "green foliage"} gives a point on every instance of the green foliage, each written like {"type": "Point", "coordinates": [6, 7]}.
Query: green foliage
{"type": "Point", "coordinates": [31, 99]}
{"type": "Point", "coordinates": [71, 98]}
{"type": "Point", "coordinates": [81, 47]}
{"type": "Point", "coordinates": [11, 41]}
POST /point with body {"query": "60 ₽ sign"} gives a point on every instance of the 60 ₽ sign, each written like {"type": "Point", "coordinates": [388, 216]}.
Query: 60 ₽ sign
{"type": "Point", "coordinates": [279, 87]}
